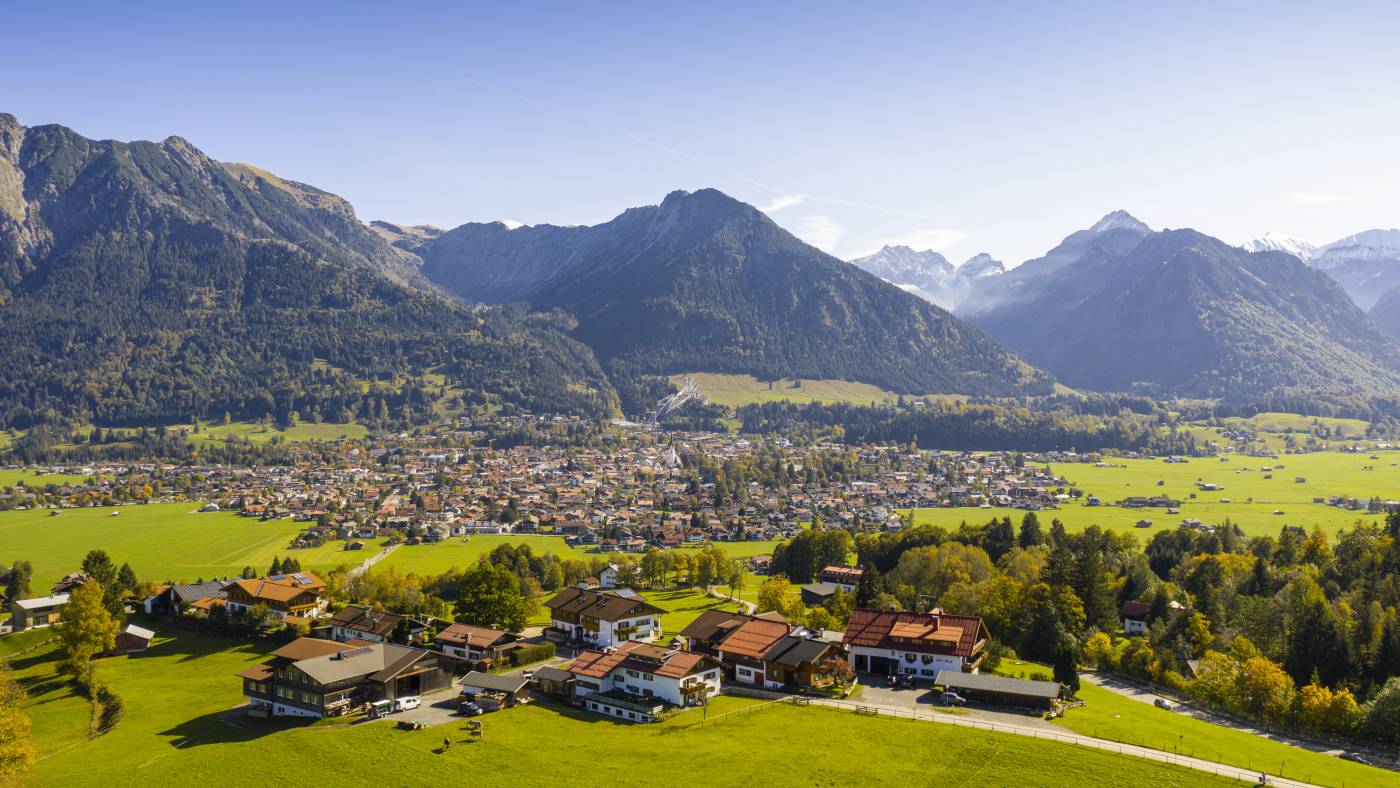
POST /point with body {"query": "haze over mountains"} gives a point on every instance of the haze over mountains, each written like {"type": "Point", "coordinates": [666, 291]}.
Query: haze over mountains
{"type": "Point", "coordinates": [147, 283]}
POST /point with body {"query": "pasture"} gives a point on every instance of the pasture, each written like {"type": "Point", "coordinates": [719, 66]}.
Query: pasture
{"type": "Point", "coordinates": [732, 391]}
{"type": "Point", "coordinates": [1254, 494]}
{"type": "Point", "coordinates": [166, 541]}
{"type": "Point", "coordinates": [433, 559]}
{"type": "Point", "coordinates": [180, 729]}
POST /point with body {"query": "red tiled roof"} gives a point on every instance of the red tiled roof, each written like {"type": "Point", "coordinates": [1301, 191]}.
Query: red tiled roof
{"type": "Point", "coordinates": [754, 638]}
{"type": "Point", "coordinates": [918, 632]}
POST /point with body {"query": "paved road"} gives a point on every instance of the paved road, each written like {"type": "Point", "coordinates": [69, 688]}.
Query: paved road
{"type": "Point", "coordinates": [744, 606]}
{"type": "Point", "coordinates": [1146, 695]}
{"type": "Point", "coordinates": [1028, 727]}
{"type": "Point", "coordinates": [374, 559]}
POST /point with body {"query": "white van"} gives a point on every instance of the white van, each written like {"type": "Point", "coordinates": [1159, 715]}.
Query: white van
{"type": "Point", "coordinates": [407, 704]}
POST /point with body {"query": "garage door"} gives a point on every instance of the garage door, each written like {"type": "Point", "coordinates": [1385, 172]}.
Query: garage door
{"type": "Point", "coordinates": [881, 666]}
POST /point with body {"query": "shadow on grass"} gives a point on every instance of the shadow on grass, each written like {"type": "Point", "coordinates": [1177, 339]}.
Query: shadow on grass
{"type": "Point", "coordinates": [228, 727]}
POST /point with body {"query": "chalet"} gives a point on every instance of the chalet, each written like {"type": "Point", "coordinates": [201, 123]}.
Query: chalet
{"type": "Point", "coordinates": [636, 681]}
{"type": "Point", "coordinates": [914, 644]}
{"type": "Point", "coordinates": [297, 594]}
{"type": "Point", "coordinates": [310, 677]}
{"type": "Point", "coordinates": [844, 577]}
{"type": "Point", "coordinates": [1134, 615]}
{"type": "Point", "coordinates": [43, 611]}
{"type": "Point", "coordinates": [356, 622]}
{"type": "Point", "coordinates": [473, 643]}
{"type": "Point", "coordinates": [760, 651]}
{"type": "Point", "coordinates": [602, 618]}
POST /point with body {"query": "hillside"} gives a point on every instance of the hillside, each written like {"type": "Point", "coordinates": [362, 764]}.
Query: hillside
{"type": "Point", "coordinates": [147, 283]}
{"type": "Point", "coordinates": [1386, 312]}
{"type": "Point", "coordinates": [1366, 264]}
{"type": "Point", "coordinates": [1181, 314]}
{"type": "Point", "coordinates": [703, 282]}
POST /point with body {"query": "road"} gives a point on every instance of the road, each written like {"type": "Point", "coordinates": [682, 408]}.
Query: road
{"type": "Point", "coordinates": [374, 559]}
{"type": "Point", "coordinates": [1029, 728]}
{"type": "Point", "coordinates": [744, 606]}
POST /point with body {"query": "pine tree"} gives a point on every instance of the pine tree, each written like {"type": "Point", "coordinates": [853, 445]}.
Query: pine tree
{"type": "Point", "coordinates": [1031, 534]}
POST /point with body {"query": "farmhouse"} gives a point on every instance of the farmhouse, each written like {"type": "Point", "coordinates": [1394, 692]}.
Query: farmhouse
{"type": "Point", "coordinates": [473, 643]}
{"type": "Point", "coordinates": [1134, 615]}
{"type": "Point", "coordinates": [602, 618]}
{"type": "Point", "coordinates": [760, 651]}
{"type": "Point", "coordinates": [356, 622]}
{"type": "Point", "coordinates": [310, 677]}
{"type": "Point", "coordinates": [844, 577]}
{"type": "Point", "coordinates": [180, 596]}
{"type": "Point", "coordinates": [297, 594]}
{"type": "Point", "coordinates": [40, 611]}
{"type": "Point", "coordinates": [637, 680]}
{"type": "Point", "coordinates": [915, 644]}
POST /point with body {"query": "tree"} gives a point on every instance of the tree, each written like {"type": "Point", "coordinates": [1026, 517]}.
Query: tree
{"type": "Point", "coordinates": [126, 580]}
{"type": "Point", "coordinates": [1321, 709]}
{"type": "Point", "coordinates": [775, 594]}
{"type": "Point", "coordinates": [836, 669]}
{"type": "Point", "coordinates": [1000, 538]}
{"type": "Point", "coordinates": [88, 628]}
{"type": "Point", "coordinates": [17, 581]}
{"type": "Point", "coordinates": [489, 596]}
{"type": "Point", "coordinates": [870, 585]}
{"type": "Point", "coordinates": [276, 568]}
{"type": "Point", "coordinates": [1098, 651]}
{"type": "Point", "coordinates": [249, 573]}
{"type": "Point", "coordinates": [1066, 670]}
{"type": "Point", "coordinates": [16, 748]}
{"type": "Point", "coordinates": [98, 566]}
{"type": "Point", "coordinates": [1382, 719]}
{"type": "Point", "coordinates": [1031, 534]}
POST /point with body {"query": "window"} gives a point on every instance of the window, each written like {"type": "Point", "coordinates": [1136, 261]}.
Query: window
{"type": "Point", "coordinates": [632, 674]}
{"type": "Point", "coordinates": [909, 657]}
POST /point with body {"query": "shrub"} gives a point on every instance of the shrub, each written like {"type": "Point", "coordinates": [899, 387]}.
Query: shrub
{"type": "Point", "coordinates": [538, 653]}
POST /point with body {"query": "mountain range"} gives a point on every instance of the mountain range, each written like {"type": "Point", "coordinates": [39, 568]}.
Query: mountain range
{"type": "Point", "coordinates": [146, 283]}
{"type": "Point", "coordinates": [929, 275]}
{"type": "Point", "coordinates": [1176, 313]}
{"type": "Point", "coordinates": [705, 282]}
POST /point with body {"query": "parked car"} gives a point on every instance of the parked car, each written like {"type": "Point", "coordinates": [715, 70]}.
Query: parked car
{"type": "Point", "coordinates": [952, 699]}
{"type": "Point", "coordinates": [1358, 758]}
{"type": "Point", "coordinates": [528, 675]}
{"type": "Point", "coordinates": [407, 704]}
{"type": "Point", "coordinates": [1162, 703]}
{"type": "Point", "coordinates": [469, 708]}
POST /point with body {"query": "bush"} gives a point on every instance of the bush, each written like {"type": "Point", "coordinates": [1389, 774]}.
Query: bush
{"type": "Point", "coordinates": [538, 653]}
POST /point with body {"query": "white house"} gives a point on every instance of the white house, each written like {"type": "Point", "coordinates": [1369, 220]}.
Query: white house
{"type": "Point", "coordinates": [603, 618]}
{"type": "Point", "coordinates": [1134, 615]}
{"type": "Point", "coordinates": [887, 642]}
{"type": "Point", "coordinates": [629, 681]}
{"type": "Point", "coordinates": [608, 577]}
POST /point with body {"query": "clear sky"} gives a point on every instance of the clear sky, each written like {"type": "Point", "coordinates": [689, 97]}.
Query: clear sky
{"type": "Point", "coordinates": [966, 126]}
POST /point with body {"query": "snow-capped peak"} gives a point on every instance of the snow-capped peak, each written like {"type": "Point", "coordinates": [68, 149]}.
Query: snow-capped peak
{"type": "Point", "coordinates": [980, 265]}
{"type": "Point", "coordinates": [510, 224]}
{"type": "Point", "coordinates": [1119, 220]}
{"type": "Point", "coordinates": [1273, 242]}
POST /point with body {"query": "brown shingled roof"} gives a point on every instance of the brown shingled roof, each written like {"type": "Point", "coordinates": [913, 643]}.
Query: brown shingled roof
{"type": "Point", "coordinates": [754, 638]}
{"type": "Point", "coordinates": [919, 632]}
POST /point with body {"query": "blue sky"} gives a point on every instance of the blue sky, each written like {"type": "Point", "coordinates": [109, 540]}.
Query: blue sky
{"type": "Point", "coordinates": [967, 127]}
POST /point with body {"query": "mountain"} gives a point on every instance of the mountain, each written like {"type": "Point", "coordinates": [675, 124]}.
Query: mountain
{"type": "Point", "coordinates": [1366, 265]}
{"type": "Point", "coordinates": [1116, 232]}
{"type": "Point", "coordinates": [1183, 314]}
{"type": "Point", "coordinates": [1271, 242]}
{"type": "Point", "coordinates": [1386, 312]}
{"type": "Point", "coordinates": [928, 274]}
{"type": "Point", "coordinates": [703, 282]}
{"type": "Point", "coordinates": [146, 283]}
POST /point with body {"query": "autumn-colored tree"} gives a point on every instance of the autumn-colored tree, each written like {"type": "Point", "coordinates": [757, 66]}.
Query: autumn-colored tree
{"type": "Point", "coordinates": [775, 594]}
{"type": "Point", "coordinates": [1322, 709]}
{"type": "Point", "coordinates": [1098, 651]}
{"type": "Point", "coordinates": [16, 747]}
{"type": "Point", "coordinates": [88, 628]}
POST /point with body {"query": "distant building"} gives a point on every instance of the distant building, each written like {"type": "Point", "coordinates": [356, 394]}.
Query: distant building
{"type": "Point", "coordinates": [43, 611]}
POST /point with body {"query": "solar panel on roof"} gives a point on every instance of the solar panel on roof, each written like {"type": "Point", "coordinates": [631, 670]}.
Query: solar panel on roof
{"type": "Point", "coordinates": [626, 593]}
{"type": "Point", "coordinates": [354, 652]}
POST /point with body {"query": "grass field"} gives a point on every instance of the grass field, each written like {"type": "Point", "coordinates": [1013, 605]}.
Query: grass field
{"type": "Point", "coordinates": [176, 732]}
{"type": "Point", "coordinates": [682, 606]}
{"type": "Point", "coordinates": [11, 477]}
{"type": "Point", "coordinates": [1111, 716]}
{"type": "Point", "coordinates": [160, 541]}
{"type": "Point", "coordinates": [430, 559]}
{"type": "Point", "coordinates": [733, 391]}
{"type": "Point", "coordinates": [1325, 475]}
{"type": "Point", "coordinates": [1108, 715]}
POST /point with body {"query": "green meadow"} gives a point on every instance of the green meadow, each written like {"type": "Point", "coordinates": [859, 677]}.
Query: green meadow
{"type": "Point", "coordinates": [1259, 501]}
{"type": "Point", "coordinates": [733, 391]}
{"type": "Point", "coordinates": [167, 541]}
{"type": "Point", "coordinates": [180, 728]}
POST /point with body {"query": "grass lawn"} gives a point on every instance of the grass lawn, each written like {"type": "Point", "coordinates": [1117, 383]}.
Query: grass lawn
{"type": "Point", "coordinates": [1108, 715]}
{"type": "Point", "coordinates": [303, 431]}
{"type": "Point", "coordinates": [11, 477]}
{"type": "Point", "coordinates": [175, 732]}
{"type": "Point", "coordinates": [1325, 473]}
{"type": "Point", "coordinates": [682, 606]}
{"type": "Point", "coordinates": [166, 541]}
{"type": "Point", "coordinates": [432, 559]}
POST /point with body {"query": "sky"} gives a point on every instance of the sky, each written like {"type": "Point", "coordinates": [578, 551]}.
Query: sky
{"type": "Point", "coordinates": [962, 127]}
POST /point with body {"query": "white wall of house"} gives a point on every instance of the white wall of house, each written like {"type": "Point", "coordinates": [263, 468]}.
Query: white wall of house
{"type": "Point", "coordinates": [648, 629]}
{"type": "Point", "coordinates": [915, 667]}
{"type": "Point", "coordinates": [651, 685]}
{"type": "Point", "coordinates": [1133, 626]}
{"type": "Point", "coordinates": [345, 635]}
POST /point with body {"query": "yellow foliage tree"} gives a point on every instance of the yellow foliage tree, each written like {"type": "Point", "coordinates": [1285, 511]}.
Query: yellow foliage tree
{"type": "Point", "coordinates": [88, 627]}
{"type": "Point", "coordinates": [1098, 650]}
{"type": "Point", "coordinates": [16, 748]}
